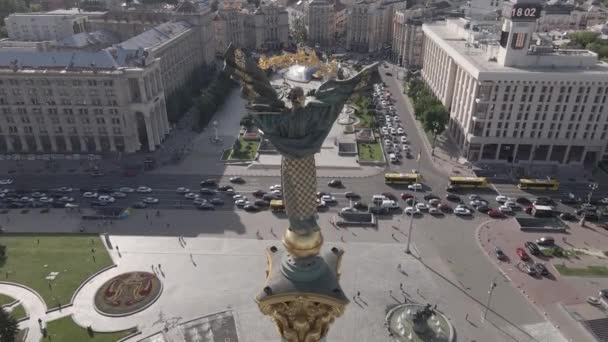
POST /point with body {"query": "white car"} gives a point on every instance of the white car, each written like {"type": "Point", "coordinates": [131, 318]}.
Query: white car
{"type": "Point", "coordinates": [501, 199]}
{"type": "Point", "coordinates": [46, 199]}
{"type": "Point", "coordinates": [277, 192]}
{"type": "Point", "coordinates": [604, 200]}
{"type": "Point", "coordinates": [403, 140]}
{"type": "Point", "coordinates": [505, 209]}
{"type": "Point", "coordinates": [38, 194]}
{"type": "Point", "coordinates": [144, 189]}
{"type": "Point", "coordinates": [106, 198]}
{"type": "Point", "coordinates": [199, 200]}
{"type": "Point", "coordinates": [191, 195]}
{"type": "Point", "coordinates": [393, 131]}
{"type": "Point", "coordinates": [6, 181]}
{"type": "Point", "coordinates": [150, 200]}
{"type": "Point", "coordinates": [126, 189]}
{"type": "Point", "coordinates": [276, 187]}
{"type": "Point", "coordinates": [434, 202]}
{"type": "Point", "coordinates": [71, 205]}
{"type": "Point", "coordinates": [474, 197]}
{"type": "Point", "coordinates": [118, 194]}
{"type": "Point", "coordinates": [328, 199]}
{"type": "Point", "coordinates": [182, 190]}
{"type": "Point", "coordinates": [415, 186]}
{"type": "Point", "coordinates": [406, 147]}
{"type": "Point", "coordinates": [387, 141]}
{"type": "Point", "coordinates": [435, 211]}
{"type": "Point", "coordinates": [237, 197]}
{"type": "Point", "coordinates": [384, 130]}
{"type": "Point", "coordinates": [422, 206]}
{"type": "Point", "coordinates": [415, 171]}
{"type": "Point", "coordinates": [65, 189]}
{"type": "Point", "coordinates": [411, 211]}
{"type": "Point", "coordinates": [66, 199]}
{"type": "Point", "coordinates": [89, 194]}
{"type": "Point", "coordinates": [241, 202]}
{"type": "Point", "coordinates": [510, 204]}
{"type": "Point", "coordinates": [460, 211]}
{"type": "Point", "coordinates": [400, 131]}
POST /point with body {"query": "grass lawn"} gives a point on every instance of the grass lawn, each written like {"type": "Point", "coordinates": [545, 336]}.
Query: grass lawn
{"type": "Point", "coordinates": [4, 299]}
{"type": "Point", "coordinates": [29, 263]}
{"type": "Point", "coordinates": [558, 252]}
{"type": "Point", "coordinates": [589, 271]}
{"type": "Point", "coordinates": [247, 151]}
{"type": "Point", "coordinates": [370, 152]}
{"type": "Point", "coordinates": [64, 329]}
{"type": "Point", "coordinates": [19, 312]}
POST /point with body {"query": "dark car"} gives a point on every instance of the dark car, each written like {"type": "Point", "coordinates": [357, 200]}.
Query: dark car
{"type": "Point", "coordinates": [567, 217]}
{"type": "Point", "coordinates": [484, 209]}
{"type": "Point", "coordinates": [225, 188]}
{"type": "Point", "coordinates": [543, 200]}
{"type": "Point", "coordinates": [335, 183]}
{"type": "Point", "coordinates": [206, 206]}
{"type": "Point", "coordinates": [379, 210]}
{"type": "Point", "coordinates": [208, 183]}
{"type": "Point", "coordinates": [351, 195]}
{"type": "Point", "coordinates": [259, 193]}
{"type": "Point", "coordinates": [500, 255]}
{"type": "Point", "coordinates": [545, 241]}
{"type": "Point", "coordinates": [452, 197]}
{"type": "Point", "coordinates": [541, 269]}
{"type": "Point", "coordinates": [406, 195]}
{"type": "Point", "coordinates": [139, 205]}
{"type": "Point", "coordinates": [445, 208]}
{"type": "Point", "coordinates": [97, 174]}
{"type": "Point", "coordinates": [217, 201]}
{"type": "Point", "coordinates": [105, 190]}
{"type": "Point", "coordinates": [411, 201]}
{"type": "Point", "coordinates": [270, 197]}
{"type": "Point", "coordinates": [261, 204]}
{"type": "Point", "coordinates": [523, 200]}
{"type": "Point", "coordinates": [251, 208]}
{"type": "Point", "coordinates": [237, 180]}
{"type": "Point", "coordinates": [207, 191]}
{"type": "Point", "coordinates": [532, 248]}
{"type": "Point", "coordinates": [430, 197]}
{"type": "Point", "coordinates": [495, 214]}
{"type": "Point", "coordinates": [568, 200]}
{"type": "Point", "coordinates": [409, 155]}
{"type": "Point", "coordinates": [389, 195]}
{"type": "Point", "coordinates": [451, 188]}
{"type": "Point", "coordinates": [15, 205]}
{"type": "Point", "coordinates": [360, 206]}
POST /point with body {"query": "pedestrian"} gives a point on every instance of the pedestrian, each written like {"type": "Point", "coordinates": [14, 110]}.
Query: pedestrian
{"type": "Point", "coordinates": [401, 286]}
{"type": "Point", "coordinates": [393, 235]}
{"type": "Point", "coordinates": [390, 292]}
{"type": "Point", "coordinates": [117, 249]}
{"type": "Point", "coordinates": [399, 267]}
{"type": "Point", "coordinates": [159, 266]}
{"type": "Point", "coordinates": [358, 293]}
{"type": "Point", "coordinates": [38, 241]}
{"type": "Point", "coordinates": [466, 317]}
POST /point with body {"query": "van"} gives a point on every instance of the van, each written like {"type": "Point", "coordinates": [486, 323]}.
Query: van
{"type": "Point", "coordinates": [378, 199]}
{"type": "Point", "coordinates": [390, 204]}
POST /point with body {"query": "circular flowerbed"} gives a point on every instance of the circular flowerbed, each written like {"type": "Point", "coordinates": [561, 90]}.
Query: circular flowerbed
{"type": "Point", "coordinates": [127, 293]}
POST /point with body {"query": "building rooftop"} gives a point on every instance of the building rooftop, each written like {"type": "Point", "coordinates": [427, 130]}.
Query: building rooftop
{"type": "Point", "coordinates": [84, 39]}
{"type": "Point", "coordinates": [480, 57]}
{"type": "Point", "coordinates": [57, 60]}
{"type": "Point", "coordinates": [156, 36]}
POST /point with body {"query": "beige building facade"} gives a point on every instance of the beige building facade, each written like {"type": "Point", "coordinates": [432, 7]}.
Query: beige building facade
{"type": "Point", "coordinates": [44, 26]}
{"type": "Point", "coordinates": [321, 23]}
{"type": "Point", "coordinates": [568, 17]}
{"type": "Point", "coordinates": [408, 38]}
{"type": "Point", "coordinates": [514, 102]}
{"type": "Point", "coordinates": [57, 102]}
{"type": "Point", "coordinates": [370, 25]}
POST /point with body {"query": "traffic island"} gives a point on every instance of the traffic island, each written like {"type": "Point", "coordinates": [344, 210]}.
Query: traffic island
{"type": "Point", "coordinates": [419, 323]}
{"type": "Point", "coordinates": [127, 294]}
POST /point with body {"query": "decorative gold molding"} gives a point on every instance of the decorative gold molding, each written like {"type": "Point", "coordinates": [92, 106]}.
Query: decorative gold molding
{"type": "Point", "coordinates": [302, 246]}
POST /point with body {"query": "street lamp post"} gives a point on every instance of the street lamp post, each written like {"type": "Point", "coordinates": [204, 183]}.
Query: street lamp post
{"type": "Point", "coordinates": [592, 188]}
{"type": "Point", "coordinates": [215, 130]}
{"type": "Point", "coordinates": [490, 292]}
{"type": "Point", "coordinates": [409, 234]}
{"type": "Point", "coordinates": [435, 129]}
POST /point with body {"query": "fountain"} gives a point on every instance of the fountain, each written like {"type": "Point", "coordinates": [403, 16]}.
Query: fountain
{"type": "Point", "coordinates": [419, 323]}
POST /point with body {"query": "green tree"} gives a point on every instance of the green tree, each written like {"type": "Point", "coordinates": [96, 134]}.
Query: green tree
{"type": "Point", "coordinates": [298, 30]}
{"type": "Point", "coordinates": [8, 327]}
{"type": "Point", "coordinates": [583, 38]}
{"type": "Point", "coordinates": [435, 118]}
{"type": "Point", "coordinates": [236, 148]}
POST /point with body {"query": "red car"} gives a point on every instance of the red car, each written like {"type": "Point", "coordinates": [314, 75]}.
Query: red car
{"type": "Point", "coordinates": [406, 195]}
{"type": "Point", "coordinates": [495, 214]}
{"type": "Point", "coordinates": [521, 253]}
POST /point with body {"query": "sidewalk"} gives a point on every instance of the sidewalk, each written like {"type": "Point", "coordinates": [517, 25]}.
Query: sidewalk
{"type": "Point", "coordinates": [446, 157]}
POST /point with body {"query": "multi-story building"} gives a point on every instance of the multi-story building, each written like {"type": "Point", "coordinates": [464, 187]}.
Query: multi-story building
{"type": "Point", "coordinates": [271, 27]}
{"type": "Point", "coordinates": [408, 37]}
{"type": "Point", "coordinates": [75, 102]}
{"type": "Point", "coordinates": [370, 25]}
{"type": "Point", "coordinates": [228, 27]}
{"type": "Point", "coordinates": [482, 9]}
{"type": "Point", "coordinates": [44, 26]}
{"type": "Point", "coordinates": [512, 100]}
{"type": "Point", "coordinates": [341, 18]}
{"type": "Point", "coordinates": [563, 17]}
{"type": "Point", "coordinates": [321, 23]}
{"type": "Point", "coordinates": [175, 44]}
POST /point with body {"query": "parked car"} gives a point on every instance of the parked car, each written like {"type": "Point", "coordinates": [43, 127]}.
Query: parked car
{"type": "Point", "coordinates": [415, 186]}
{"type": "Point", "coordinates": [406, 195]}
{"type": "Point", "coordinates": [462, 211]}
{"type": "Point", "coordinates": [500, 255]}
{"type": "Point", "coordinates": [181, 190]}
{"type": "Point", "coordinates": [412, 211]}
{"type": "Point", "coordinates": [237, 180]}
{"type": "Point", "coordinates": [530, 269]}
{"type": "Point", "coordinates": [435, 211]}
{"type": "Point", "coordinates": [445, 208]}
{"type": "Point", "coordinates": [567, 216]}
{"type": "Point", "coordinates": [483, 209]}
{"type": "Point", "coordinates": [251, 208]}
{"type": "Point", "coordinates": [434, 202]}
{"type": "Point", "coordinates": [495, 214]}
{"type": "Point", "coordinates": [360, 206]}
{"type": "Point", "coordinates": [219, 201]}
{"type": "Point", "coordinates": [225, 188]}
{"type": "Point", "coordinates": [541, 269]}
{"type": "Point", "coordinates": [139, 205]}
{"type": "Point", "coordinates": [523, 200]}
{"type": "Point", "coordinates": [545, 241]}
{"type": "Point", "coordinates": [532, 248]}
{"type": "Point", "coordinates": [430, 197]}
{"type": "Point", "coordinates": [335, 183]}
{"type": "Point", "coordinates": [208, 183]}
{"type": "Point", "coordinates": [150, 200]}
{"type": "Point", "coordinates": [452, 197]}
{"type": "Point", "coordinates": [206, 206]}
{"type": "Point", "coordinates": [505, 209]}
{"type": "Point", "coordinates": [259, 193]}
{"type": "Point", "coordinates": [328, 199]}
{"type": "Point", "coordinates": [501, 198]}
{"type": "Point", "coordinates": [351, 195]}
{"type": "Point", "coordinates": [390, 196]}
{"type": "Point", "coordinates": [207, 191]}
{"type": "Point", "coordinates": [521, 253]}
{"type": "Point", "coordinates": [422, 207]}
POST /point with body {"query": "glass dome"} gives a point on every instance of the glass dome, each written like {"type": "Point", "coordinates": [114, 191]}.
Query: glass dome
{"type": "Point", "coordinates": [300, 73]}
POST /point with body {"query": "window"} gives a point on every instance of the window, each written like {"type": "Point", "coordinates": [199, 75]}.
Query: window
{"type": "Point", "coordinates": [100, 120]}
{"type": "Point", "coordinates": [550, 134]}
{"type": "Point", "coordinates": [116, 121]}
{"type": "Point", "coordinates": [55, 120]}
{"type": "Point", "coordinates": [116, 130]}
{"type": "Point", "coordinates": [519, 41]}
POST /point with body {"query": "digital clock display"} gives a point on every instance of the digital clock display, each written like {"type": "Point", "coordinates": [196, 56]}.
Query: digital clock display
{"type": "Point", "coordinates": [522, 12]}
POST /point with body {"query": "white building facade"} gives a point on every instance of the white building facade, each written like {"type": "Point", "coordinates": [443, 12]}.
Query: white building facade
{"type": "Point", "coordinates": [321, 23]}
{"type": "Point", "coordinates": [517, 103]}
{"type": "Point", "coordinates": [66, 102]}
{"type": "Point", "coordinates": [408, 38]}
{"type": "Point", "coordinates": [370, 25]}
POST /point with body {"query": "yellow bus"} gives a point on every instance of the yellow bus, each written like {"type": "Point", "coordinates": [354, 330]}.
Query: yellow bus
{"type": "Point", "coordinates": [468, 182]}
{"type": "Point", "coordinates": [277, 206]}
{"type": "Point", "coordinates": [538, 184]}
{"type": "Point", "coordinates": [402, 178]}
